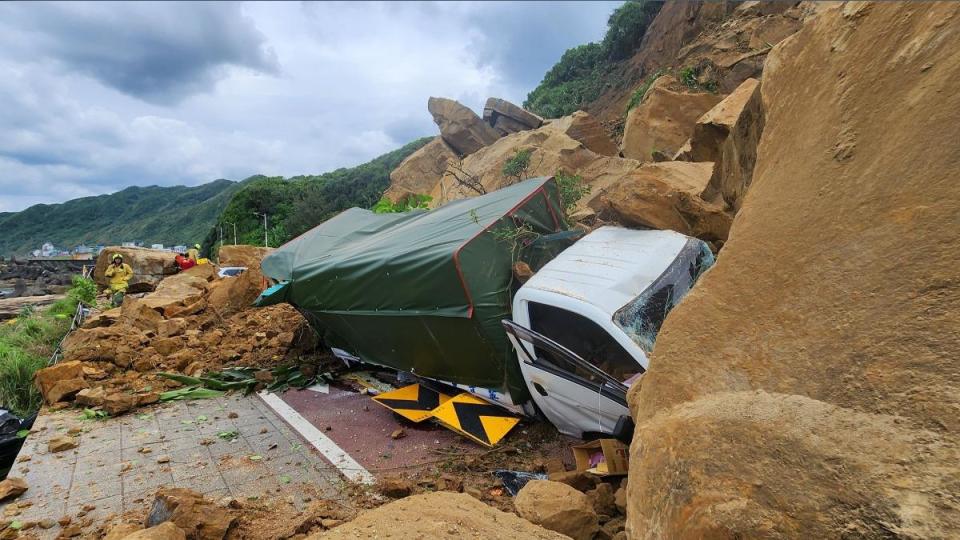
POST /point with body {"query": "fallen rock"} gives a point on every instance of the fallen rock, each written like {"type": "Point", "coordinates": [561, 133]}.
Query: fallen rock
{"type": "Point", "coordinates": [602, 499]}
{"type": "Point", "coordinates": [172, 327]}
{"type": "Point", "coordinates": [460, 127]}
{"type": "Point", "coordinates": [666, 196]}
{"type": "Point", "coordinates": [61, 443]}
{"type": "Point", "coordinates": [438, 515]}
{"type": "Point", "coordinates": [728, 135]}
{"type": "Point", "coordinates": [139, 314]}
{"type": "Point", "coordinates": [844, 249]}
{"type": "Point", "coordinates": [507, 118]}
{"type": "Point", "coordinates": [395, 488]}
{"type": "Point", "coordinates": [149, 267]}
{"type": "Point", "coordinates": [163, 531]}
{"type": "Point", "coordinates": [421, 171]}
{"type": "Point", "coordinates": [664, 120]}
{"type": "Point", "coordinates": [121, 531]}
{"type": "Point", "coordinates": [243, 255]}
{"type": "Point", "coordinates": [60, 381]}
{"type": "Point", "coordinates": [91, 397]}
{"type": "Point", "coordinates": [551, 150]}
{"type": "Point", "coordinates": [583, 127]}
{"type": "Point", "coordinates": [12, 487]}
{"type": "Point", "coordinates": [102, 318]}
{"type": "Point", "coordinates": [199, 518]}
{"type": "Point", "coordinates": [620, 499]}
{"type": "Point", "coordinates": [578, 480]}
{"type": "Point", "coordinates": [557, 507]}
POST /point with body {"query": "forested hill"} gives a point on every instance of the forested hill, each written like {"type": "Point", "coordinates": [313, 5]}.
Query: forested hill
{"type": "Point", "coordinates": [153, 215]}
{"type": "Point", "coordinates": [187, 215]}
{"type": "Point", "coordinates": [294, 205]}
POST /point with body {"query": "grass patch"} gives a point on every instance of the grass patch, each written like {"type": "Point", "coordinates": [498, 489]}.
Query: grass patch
{"type": "Point", "coordinates": [637, 97]}
{"type": "Point", "coordinates": [27, 342]}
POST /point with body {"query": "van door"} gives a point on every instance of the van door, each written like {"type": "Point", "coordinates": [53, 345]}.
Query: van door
{"type": "Point", "coordinates": [576, 396]}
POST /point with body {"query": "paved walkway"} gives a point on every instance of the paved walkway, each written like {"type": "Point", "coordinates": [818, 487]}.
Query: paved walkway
{"type": "Point", "coordinates": [120, 462]}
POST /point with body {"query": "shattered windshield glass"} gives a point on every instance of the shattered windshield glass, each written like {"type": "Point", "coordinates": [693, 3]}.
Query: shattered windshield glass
{"type": "Point", "coordinates": [641, 318]}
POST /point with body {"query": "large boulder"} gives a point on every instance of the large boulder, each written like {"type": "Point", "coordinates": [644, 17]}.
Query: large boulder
{"type": "Point", "coordinates": [180, 290]}
{"type": "Point", "coordinates": [583, 127]}
{"type": "Point", "coordinates": [243, 255]}
{"type": "Point", "coordinates": [664, 120]}
{"type": "Point", "coordinates": [728, 135]}
{"type": "Point", "coordinates": [460, 127]}
{"type": "Point", "coordinates": [421, 171]}
{"type": "Point", "coordinates": [441, 514]}
{"type": "Point", "coordinates": [149, 266]}
{"type": "Point", "coordinates": [551, 150]}
{"type": "Point", "coordinates": [807, 387]}
{"type": "Point", "coordinates": [666, 196]}
{"type": "Point", "coordinates": [507, 118]}
{"type": "Point", "coordinates": [60, 382]}
{"type": "Point", "coordinates": [557, 507]}
{"type": "Point", "coordinates": [163, 531]}
{"type": "Point", "coordinates": [199, 518]}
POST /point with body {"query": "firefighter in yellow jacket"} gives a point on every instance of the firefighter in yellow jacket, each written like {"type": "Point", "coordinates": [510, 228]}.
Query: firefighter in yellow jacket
{"type": "Point", "coordinates": [119, 274]}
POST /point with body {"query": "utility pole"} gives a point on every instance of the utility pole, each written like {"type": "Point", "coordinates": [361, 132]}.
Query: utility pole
{"type": "Point", "coordinates": [265, 242]}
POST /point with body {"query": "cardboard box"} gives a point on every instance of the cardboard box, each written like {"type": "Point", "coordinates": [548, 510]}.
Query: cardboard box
{"type": "Point", "coordinates": [603, 457]}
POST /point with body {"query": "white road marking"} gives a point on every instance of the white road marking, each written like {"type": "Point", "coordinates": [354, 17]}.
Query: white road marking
{"type": "Point", "coordinates": [336, 455]}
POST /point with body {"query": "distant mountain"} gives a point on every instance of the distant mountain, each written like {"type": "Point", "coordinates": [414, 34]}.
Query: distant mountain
{"type": "Point", "coordinates": [153, 215]}
{"type": "Point", "coordinates": [188, 215]}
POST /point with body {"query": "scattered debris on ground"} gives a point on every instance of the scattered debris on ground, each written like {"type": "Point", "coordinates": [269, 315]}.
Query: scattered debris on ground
{"type": "Point", "coordinates": [193, 324]}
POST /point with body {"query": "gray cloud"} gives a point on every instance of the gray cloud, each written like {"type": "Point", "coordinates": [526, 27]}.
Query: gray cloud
{"type": "Point", "coordinates": [98, 97]}
{"type": "Point", "coordinates": [159, 52]}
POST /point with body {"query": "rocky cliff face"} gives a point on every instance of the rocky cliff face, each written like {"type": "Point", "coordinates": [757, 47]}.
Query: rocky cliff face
{"type": "Point", "coordinates": [808, 386]}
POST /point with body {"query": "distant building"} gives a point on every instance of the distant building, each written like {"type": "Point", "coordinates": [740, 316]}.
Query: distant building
{"type": "Point", "coordinates": [47, 250]}
{"type": "Point", "coordinates": [180, 249]}
{"type": "Point", "coordinates": [82, 250]}
{"type": "Point", "coordinates": [156, 246]}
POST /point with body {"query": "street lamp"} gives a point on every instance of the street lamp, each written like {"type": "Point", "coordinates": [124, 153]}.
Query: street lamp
{"type": "Point", "coordinates": [265, 242]}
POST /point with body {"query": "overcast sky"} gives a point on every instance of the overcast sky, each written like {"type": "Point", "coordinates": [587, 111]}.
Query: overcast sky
{"type": "Point", "coordinates": [95, 97]}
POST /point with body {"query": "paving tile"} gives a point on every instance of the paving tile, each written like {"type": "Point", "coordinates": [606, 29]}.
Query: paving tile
{"type": "Point", "coordinates": [209, 480]}
{"type": "Point", "coordinates": [103, 507]}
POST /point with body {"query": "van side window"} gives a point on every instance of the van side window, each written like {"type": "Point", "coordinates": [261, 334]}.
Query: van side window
{"type": "Point", "coordinates": [585, 338]}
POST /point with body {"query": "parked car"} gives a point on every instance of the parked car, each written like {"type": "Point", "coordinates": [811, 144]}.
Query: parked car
{"type": "Point", "coordinates": [231, 271]}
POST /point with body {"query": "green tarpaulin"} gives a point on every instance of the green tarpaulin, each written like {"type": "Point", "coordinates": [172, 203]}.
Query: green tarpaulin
{"type": "Point", "coordinates": [422, 291]}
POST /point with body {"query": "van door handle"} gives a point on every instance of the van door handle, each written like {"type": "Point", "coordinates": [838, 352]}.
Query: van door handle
{"type": "Point", "coordinates": [539, 389]}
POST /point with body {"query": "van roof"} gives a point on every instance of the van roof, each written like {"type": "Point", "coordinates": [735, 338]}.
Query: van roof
{"type": "Point", "coordinates": [610, 266]}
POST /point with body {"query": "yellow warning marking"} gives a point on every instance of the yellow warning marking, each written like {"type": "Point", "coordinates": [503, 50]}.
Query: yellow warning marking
{"type": "Point", "coordinates": [477, 419]}
{"type": "Point", "coordinates": [414, 402]}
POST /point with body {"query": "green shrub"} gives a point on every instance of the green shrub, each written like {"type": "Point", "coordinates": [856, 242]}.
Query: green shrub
{"type": "Point", "coordinates": [417, 201]}
{"type": "Point", "coordinates": [17, 391]}
{"type": "Point", "coordinates": [690, 77]}
{"type": "Point", "coordinates": [516, 167]}
{"type": "Point", "coordinates": [637, 97]}
{"type": "Point", "coordinates": [572, 189]}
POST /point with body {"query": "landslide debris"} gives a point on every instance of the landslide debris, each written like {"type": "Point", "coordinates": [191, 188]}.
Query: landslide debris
{"type": "Point", "coordinates": [440, 514]}
{"type": "Point", "coordinates": [193, 322]}
{"type": "Point", "coordinates": [808, 386]}
{"type": "Point", "coordinates": [558, 507]}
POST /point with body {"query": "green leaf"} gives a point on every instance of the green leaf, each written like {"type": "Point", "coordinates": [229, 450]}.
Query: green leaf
{"type": "Point", "coordinates": [144, 416]}
{"type": "Point", "coordinates": [16, 525]}
{"type": "Point", "coordinates": [256, 457]}
{"type": "Point", "coordinates": [23, 433]}
{"type": "Point", "coordinates": [184, 379]}
{"type": "Point", "coordinates": [228, 435]}
{"type": "Point", "coordinates": [284, 479]}
{"type": "Point", "coordinates": [202, 418]}
{"type": "Point", "coordinates": [190, 392]}
{"type": "Point", "coordinates": [186, 422]}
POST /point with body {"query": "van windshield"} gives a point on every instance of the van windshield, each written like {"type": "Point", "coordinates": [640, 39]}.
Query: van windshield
{"type": "Point", "coordinates": [642, 317]}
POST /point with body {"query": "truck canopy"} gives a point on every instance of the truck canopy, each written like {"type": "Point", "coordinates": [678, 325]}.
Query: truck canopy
{"type": "Point", "coordinates": [424, 291]}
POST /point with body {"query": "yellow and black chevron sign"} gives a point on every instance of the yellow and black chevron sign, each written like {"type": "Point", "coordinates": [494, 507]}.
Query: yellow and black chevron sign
{"type": "Point", "coordinates": [471, 416]}
{"type": "Point", "coordinates": [414, 402]}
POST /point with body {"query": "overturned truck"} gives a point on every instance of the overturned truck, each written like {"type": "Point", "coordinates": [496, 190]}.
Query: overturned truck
{"type": "Point", "coordinates": [433, 293]}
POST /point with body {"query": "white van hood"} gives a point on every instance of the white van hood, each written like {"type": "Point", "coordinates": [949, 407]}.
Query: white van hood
{"type": "Point", "coordinates": [609, 267]}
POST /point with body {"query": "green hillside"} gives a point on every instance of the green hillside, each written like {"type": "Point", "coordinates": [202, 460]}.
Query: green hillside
{"type": "Point", "coordinates": [294, 205]}
{"type": "Point", "coordinates": [583, 72]}
{"type": "Point", "coordinates": [153, 215]}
